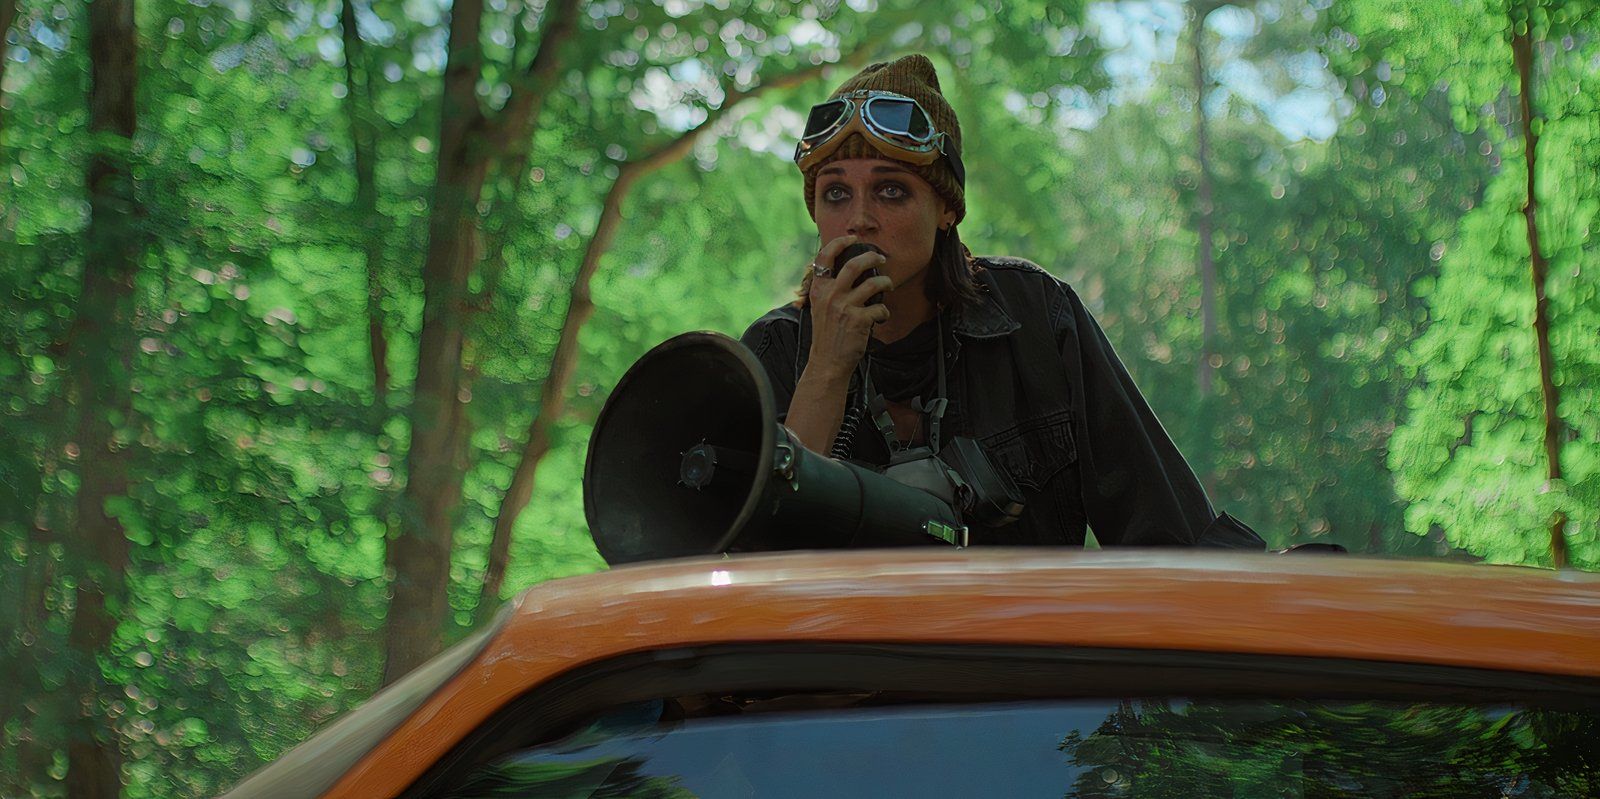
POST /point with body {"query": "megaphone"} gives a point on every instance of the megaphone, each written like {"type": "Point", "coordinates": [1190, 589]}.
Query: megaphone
{"type": "Point", "coordinates": [688, 458]}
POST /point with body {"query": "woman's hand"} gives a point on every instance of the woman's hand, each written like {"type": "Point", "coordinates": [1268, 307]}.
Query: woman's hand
{"type": "Point", "coordinates": [841, 324]}
{"type": "Point", "coordinates": [841, 319]}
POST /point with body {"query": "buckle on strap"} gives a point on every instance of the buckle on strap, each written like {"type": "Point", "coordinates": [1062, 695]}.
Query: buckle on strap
{"type": "Point", "coordinates": [955, 536]}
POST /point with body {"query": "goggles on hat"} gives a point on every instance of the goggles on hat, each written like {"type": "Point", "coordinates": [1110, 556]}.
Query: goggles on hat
{"type": "Point", "coordinates": [894, 124]}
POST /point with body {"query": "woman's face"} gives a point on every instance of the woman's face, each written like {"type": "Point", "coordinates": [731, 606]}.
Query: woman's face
{"type": "Point", "coordinates": [883, 203]}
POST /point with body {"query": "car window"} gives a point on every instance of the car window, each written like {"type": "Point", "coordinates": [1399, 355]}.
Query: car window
{"type": "Point", "coordinates": [1145, 747]}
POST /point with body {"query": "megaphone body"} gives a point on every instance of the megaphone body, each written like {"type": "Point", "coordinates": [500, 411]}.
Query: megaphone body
{"type": "Point", "coordinates": [688, 458]}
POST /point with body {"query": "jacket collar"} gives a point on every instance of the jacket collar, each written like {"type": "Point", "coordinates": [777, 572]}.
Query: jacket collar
{"type": "Point", "coordinates": [984, 318]}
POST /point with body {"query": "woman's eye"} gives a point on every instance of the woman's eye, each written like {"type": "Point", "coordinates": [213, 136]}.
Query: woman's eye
{"type": "Point", "coordinates": [833, 193]}
{"type": "Point", "coordinates": [893, 191]}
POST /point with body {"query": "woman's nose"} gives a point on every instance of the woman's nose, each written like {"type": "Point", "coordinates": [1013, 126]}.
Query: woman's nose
{"type": "Point", "coordinates": [861, 219]}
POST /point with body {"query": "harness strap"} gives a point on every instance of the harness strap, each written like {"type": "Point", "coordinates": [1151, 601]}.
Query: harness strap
{"type": "Point", "coordinates": [932, 411]}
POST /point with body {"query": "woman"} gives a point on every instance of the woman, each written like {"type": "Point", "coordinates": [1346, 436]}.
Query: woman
{"type": "Point", "coordinates": [1026, 371]}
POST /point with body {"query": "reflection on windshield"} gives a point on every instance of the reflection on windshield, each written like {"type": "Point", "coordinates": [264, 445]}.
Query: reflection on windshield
{"type": "Point", "coordinates": [1162, 749]}
{"type": "Point", "coordinates": [1133, 749]}
{"type": "Point", "coordinates": [616, 777]}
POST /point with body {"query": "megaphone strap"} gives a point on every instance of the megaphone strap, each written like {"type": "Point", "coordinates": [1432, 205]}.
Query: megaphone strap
{"type": "Point", "coordinates": [932, 411]}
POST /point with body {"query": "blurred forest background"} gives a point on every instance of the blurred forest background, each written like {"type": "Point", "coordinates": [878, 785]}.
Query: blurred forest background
{"type": "Point", "coordinates": [307, 306]}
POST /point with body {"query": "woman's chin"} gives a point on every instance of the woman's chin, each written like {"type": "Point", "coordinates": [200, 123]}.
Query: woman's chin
{"type": "Point", "coordinates": [905, 278]}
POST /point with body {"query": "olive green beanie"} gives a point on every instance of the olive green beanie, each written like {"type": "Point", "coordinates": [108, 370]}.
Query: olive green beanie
{"type": "Point", "coordinates": [914, 77]}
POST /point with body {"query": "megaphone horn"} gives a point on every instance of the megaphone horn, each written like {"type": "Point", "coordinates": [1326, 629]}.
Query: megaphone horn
{"type": "Point", "coordinates": [688, 458]}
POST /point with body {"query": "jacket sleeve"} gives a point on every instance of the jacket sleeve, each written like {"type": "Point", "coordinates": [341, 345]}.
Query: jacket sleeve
{"type": "Point", "coordinates": [1137, 488]}
{"type": "Point", "coordinates": [775, 342]}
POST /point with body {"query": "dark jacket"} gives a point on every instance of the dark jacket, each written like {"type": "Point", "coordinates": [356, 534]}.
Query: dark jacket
{"type": "Point", "coordinates": [1033, 378]}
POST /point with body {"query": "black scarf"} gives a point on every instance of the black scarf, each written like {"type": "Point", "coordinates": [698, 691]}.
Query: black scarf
{"type": "Point", "coordinates": [907, 368]}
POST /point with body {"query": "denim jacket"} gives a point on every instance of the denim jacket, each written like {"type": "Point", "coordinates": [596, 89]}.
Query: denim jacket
{"type": "Point", "coordinates": [1034, 380]}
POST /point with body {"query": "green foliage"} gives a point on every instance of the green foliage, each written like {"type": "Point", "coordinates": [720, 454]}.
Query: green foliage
{"type": "Point", "coordinates": [1470, 457]}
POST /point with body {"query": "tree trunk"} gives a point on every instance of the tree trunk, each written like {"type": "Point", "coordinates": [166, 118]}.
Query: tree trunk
{"type": "Point", "coordinates": [1204, 206]}
{"type": "Point", "coordinates": [1205, 368]}
{"type": "Point", "coordinates": [1522, 51]}
{"type": "Point", "coordinates": [101, 358]}
{"type": "Point", "coordinates": [436, 465]}
{"type": "Point", "coordinates": [359, 112]}
{"type": "Point", "coordinates": [564, 362]}
{"type": "Point", "coordinates": [8, 14]}
{"type": "Point", "coordinates": [553, 393]}
{"type": "Point", "coordinates": [361, 116]}
{"type": "Point", "coordinates": [30, 645]}
{"type": "Point", "coordinates": [434, 469]}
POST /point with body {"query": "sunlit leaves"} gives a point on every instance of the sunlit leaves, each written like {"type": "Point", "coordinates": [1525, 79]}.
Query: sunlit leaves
{"type": "Point", "coordinates": [1471, 457]}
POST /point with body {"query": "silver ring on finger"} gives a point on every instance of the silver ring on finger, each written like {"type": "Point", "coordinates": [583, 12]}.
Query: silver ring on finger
{"type": "Point", "coordinates": [820, 271]}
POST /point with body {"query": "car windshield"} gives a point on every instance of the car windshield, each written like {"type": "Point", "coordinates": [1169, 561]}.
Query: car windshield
{"type": "Point", "coordinates": [1091, 748]}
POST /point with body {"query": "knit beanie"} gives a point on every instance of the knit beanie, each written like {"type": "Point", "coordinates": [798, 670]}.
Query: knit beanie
{"type": "Point", "coordinates": [914, 77]}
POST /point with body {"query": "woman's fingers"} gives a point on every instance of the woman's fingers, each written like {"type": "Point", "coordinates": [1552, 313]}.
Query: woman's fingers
{"type": "Point", "coordinates": [839, 290]}
{"type": "Point", "coordinates": [847, 272]}
{"type": "Point", "coordinates": [825, 266]}
{"type": "Point", "coordinates": [868, 289]}
{"type": "Point", "coordinates": [823, 271]}
{"type": "Point", "coordinates": [840, 312]}
{"type": "Point", "coordinates": [861, 319]}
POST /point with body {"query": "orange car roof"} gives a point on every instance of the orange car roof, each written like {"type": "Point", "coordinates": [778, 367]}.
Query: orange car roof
{"type": "Point", "coordinates": [1490, 617]}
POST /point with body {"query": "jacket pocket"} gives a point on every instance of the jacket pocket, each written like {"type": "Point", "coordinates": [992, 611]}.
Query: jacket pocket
{"type": "Point", "coordinates": [1033, 450]}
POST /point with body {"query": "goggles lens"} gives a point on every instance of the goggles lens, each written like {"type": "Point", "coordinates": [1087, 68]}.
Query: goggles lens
{"type": "Point", "coordinates": [902, 117]}
{"type": "Point", "coordinates": [892, 119]}
{"type": "Point", "coordinates": [825, 117]}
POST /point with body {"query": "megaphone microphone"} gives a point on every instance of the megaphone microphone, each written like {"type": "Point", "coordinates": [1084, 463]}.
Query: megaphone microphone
{"type": "Point", "coordinates": [688, 458]}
